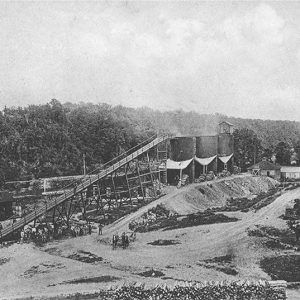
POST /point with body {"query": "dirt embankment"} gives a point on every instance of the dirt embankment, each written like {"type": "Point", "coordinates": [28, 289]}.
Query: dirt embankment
{"type": "Point", "coordinates": [201, 196]}
{"type": "Point", "coordinates": [214, 194]}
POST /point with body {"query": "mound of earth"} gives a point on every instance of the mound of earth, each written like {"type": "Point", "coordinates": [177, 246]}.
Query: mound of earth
{"type": "Point", "coordinates": [215, 194]}
{"type": "Point", "coordinates": [202, 196]}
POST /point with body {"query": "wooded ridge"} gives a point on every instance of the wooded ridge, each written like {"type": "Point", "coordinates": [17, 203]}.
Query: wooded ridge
{"type": "Point", "coordinates": [52, 139]}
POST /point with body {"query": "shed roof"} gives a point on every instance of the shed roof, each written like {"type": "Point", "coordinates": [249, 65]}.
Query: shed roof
{"type": "Point", "coordinates": [205, 161]}
{"type": "Point", "coordinates": [178, 165]}
{"type": "Point", "coordinates": [290, 169]}
{"type": "Point", "coordinates": [225, 159]}
{"type": "Point", "coordinates": [265, 165]}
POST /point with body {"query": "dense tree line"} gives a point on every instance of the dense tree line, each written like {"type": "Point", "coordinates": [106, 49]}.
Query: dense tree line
{"type": "Point", "coordinates": [51, 139]}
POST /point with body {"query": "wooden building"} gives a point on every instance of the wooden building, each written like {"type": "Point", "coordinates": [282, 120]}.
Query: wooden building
{"type": "Point", "coordinates": [225, 127]}
{"type": "Point", "coordinates": [290, 172]}
{"type": "Point", "coordinates": [265, 168]}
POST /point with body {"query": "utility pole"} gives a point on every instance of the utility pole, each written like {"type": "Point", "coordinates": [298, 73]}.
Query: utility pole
{"type": "Point", "coordinates": [84, 165]}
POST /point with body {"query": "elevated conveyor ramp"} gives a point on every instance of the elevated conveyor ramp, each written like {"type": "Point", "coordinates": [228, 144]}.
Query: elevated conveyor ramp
{"type": "Point", "coordinates": [88, 181]}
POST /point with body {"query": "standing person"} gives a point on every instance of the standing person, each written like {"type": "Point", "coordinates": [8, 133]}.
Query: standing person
{"type": "Point", "coordinates": [22, 236]}
{"type": "Point", "coordinates": [114, 241]}
{"type": "Point", "coordinates": [90, 228]}
{"type": "Point", "coordinates": [100, 229]}
{"type": "Point", "coordinates": [46, 232]}
{"type": "Point", "coordinates": [126, 241]}
{"type": "Point", "coordinates": [123, 240]}
{"type": "Point", "coordinates": [33, 231]}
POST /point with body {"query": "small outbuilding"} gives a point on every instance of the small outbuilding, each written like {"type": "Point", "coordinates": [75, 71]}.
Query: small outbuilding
{"type": "Point", "coordinates": [265, 168]}
{"type": "Point", "coordinates": [290, 172]}
{"type": "Point", "coordinates": [225, 127]}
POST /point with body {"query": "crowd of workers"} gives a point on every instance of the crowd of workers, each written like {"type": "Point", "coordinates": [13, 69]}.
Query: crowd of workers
{"type": "Point", "coordinates": [45, 232]}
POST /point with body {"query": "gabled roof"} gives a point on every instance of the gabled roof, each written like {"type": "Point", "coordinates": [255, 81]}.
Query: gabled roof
{"type": "Point", "coordinates": [226, 123]}
{"type": "Point", "coordinates": [265, 165]}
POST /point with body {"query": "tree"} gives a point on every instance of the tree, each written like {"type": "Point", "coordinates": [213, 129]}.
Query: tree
{"type": "Point", "coordinates": [297, 151]}
{"type": "Point", "coordinates": [247, 148]}
{"type": "Point", "coordinates": [283, 153]}
{"type": "Point", "coordinates": [268, 154]}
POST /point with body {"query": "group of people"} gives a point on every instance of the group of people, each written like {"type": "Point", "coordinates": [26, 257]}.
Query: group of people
{"type": "Point", "coordinates": [124, 240]}
{"type": "Point", "coordinates": [46, 232]}
{"type": "Point", "coordinates": [40, 234]}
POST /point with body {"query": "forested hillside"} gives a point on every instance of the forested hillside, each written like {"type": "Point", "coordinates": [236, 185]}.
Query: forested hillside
{"type": "Point", "coordinates": [51, 139]}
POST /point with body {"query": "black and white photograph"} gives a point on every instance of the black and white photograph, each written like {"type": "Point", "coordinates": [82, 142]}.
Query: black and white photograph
{"type": "Point", "coordinates": [150, 150]}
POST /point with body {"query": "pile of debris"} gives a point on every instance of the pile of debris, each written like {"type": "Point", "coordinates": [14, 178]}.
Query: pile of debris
{"type": "Point", "coordinates": [160, 218]}
{"type": "Point", "coordinates": [153, 219]}
{"type": "Point", "coordinates": [244, 204]}
{"type": "Point", "coordinates": [208, 177]}
{"type": "Point", "coordinates": [224, 173]}
{"type": "Point", "coordinates": [184, 180]}
{"type": "Point", "coordinates": [293, 213]}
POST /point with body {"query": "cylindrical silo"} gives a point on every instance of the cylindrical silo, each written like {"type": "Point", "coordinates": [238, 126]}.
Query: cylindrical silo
{"type": "Point", "coordinates": [225, 144]}
{"type": "Point", "coordinates": [206, 146]}
{"type": "Point", "coordinates": [182, 148]}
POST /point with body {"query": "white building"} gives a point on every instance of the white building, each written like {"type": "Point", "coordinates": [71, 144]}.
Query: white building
{"type": "Point", "coordinates": [290, 172]}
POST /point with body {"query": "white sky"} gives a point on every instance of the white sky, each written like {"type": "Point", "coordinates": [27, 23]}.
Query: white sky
{"type": "Point", "coordinates": [237, 58]}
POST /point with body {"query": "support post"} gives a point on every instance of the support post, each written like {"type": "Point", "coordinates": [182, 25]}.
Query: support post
{"type": "Point", "coordinates": [83, 203]}
{"type": "Point", "coordinates": [99, 196]}
{"type": "Point", "coordinates": [127, 182]}
{"type": "Point", "coordinates": [159, 162]}
{"type": "Point", "coordinates": [69, 211]}
{"type": "Point", "coordinates": [114, 187]}
{"type": "Point", "coordinates": [140, 181]}
{"type": "Point", "coordinates": [151, 176]}
{"type": "Point", "coordinates": [53, 216]}
{"type": "Point", "coordinates": [193, 161]}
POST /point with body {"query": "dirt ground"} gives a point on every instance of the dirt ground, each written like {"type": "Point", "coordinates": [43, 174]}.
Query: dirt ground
{"type": "Point", "coordinates": [200, 253]}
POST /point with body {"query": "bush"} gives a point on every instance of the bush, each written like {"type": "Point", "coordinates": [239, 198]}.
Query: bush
{"type": "Point", "coordinates": [284, 267]}
{"type": "Point", "coordinates": [210, 291]}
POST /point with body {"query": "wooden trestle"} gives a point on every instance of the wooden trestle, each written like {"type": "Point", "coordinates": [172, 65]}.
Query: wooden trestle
{"type": "Point", "coordinates": [124, 184]}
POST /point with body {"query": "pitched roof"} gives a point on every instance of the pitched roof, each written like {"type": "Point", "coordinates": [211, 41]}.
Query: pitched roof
{"type": "Point", "coordinates": [265, 165]}
{"type": "Point", "coordinates": [226, 123]}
